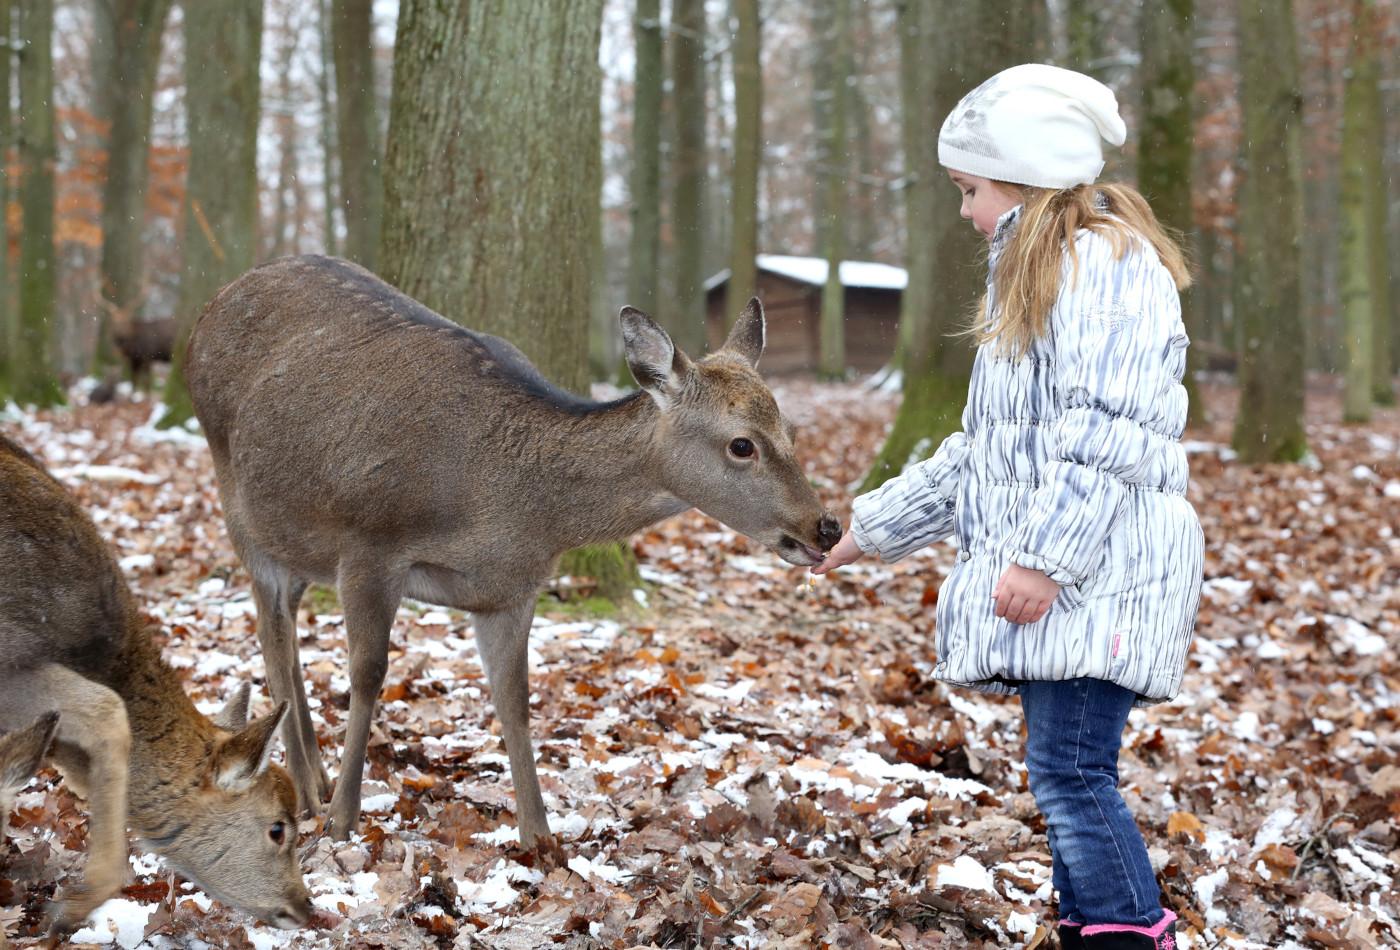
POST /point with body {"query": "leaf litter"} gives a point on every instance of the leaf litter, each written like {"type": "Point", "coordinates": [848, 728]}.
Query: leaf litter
{"type": "Point", "coordinates": [748, 758]}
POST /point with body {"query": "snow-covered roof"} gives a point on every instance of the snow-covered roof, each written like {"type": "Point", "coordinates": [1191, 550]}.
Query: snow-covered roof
{"type": "Point", "coordinates": [812, 270]}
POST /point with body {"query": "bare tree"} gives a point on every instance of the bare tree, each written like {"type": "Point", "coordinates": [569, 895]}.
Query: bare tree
{"type": "Point", "coordinates": [357, 125]}
{"type": "Point", "coordinates": [34, 380]}
{"type": "Point", "coordinates": [748, 152]}
{"type": "Point", "coordinates": [223, 43]}
{"type": "Point", "coordinates": [1269, 426]}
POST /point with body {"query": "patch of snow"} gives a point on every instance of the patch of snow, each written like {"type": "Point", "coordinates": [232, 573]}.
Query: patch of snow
{"type": "Point", "coordinates": [1364, 473]}
{"type": "Point", "coordinates": [1272, 831]}
{"type": "Point", "coordinates": [733, 694]}
{"type": "Point", "coordinates": [493, 893]}
{"type": "Point", "coordinates": [1018, 922]}
{"type": "Point", "coordinates": [1269, 650]}
{"type": "Point", "coordinates": [590, 868]}
{"type": "Point", "coordinates": [1392, 489]}
{"type": "Point", "coordinates": [1205, 887]}
{"type": "Point", "coordinates": [966, 872]}
{"type": "Point", "coordinates": [751, 565]}
{"type": "Point", "coordinates": [137, 562]}
{"type": "Point", "coordinates": [1231, 587]}
{"type": "Point", "coordinates": [114, 474]}
{"type": "Point", "coordinates": [434, 618]}
{"type": "Point", "coordinates": [1247, 726]}
{"type": "Point", "coordinates": [378, 803]}
{"type": "Point", "coordinates": [899, 814]}
{"type": "Point", "coordinates": [118, 921]}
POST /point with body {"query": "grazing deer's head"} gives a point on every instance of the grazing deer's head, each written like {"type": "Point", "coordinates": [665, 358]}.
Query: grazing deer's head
{"type": "Point", "coordinates": [234, 832]}
{"type": "Point", "coordinates": [721, 443]}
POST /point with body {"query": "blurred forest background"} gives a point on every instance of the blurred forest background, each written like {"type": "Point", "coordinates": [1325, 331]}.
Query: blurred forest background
{"type": "Point", "coordinates": [527, 168]}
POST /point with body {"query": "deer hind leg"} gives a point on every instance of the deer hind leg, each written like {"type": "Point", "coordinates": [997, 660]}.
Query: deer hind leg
{"type": "Point", "coordinates": [273, 587]}
{"type": "Point", "coordinates": [369, 599]}
{"type": "Point", "coordinates": [93, 745]}
{"type": "Point", "coordinates": [300, 713]}
{"type": "Point", "coordinates": [503, 639]}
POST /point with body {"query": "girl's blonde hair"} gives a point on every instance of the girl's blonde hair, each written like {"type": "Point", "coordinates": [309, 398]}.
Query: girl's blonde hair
{"type": "Point", "coordinates": [1029, 268]}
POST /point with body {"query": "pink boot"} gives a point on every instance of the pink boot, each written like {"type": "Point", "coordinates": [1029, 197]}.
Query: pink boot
{"type": "Point", "coordinates": [1162, 936]}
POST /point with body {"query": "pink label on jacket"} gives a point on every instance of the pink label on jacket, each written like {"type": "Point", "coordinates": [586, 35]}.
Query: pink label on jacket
{"type": "Point", "coordinates": [1117, 637]}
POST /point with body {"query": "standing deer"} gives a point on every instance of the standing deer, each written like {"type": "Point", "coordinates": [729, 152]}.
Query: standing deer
{"type": "Point", "coordinates": [200, 792]}
{"type": "Point", "coordinates": [361, 439]}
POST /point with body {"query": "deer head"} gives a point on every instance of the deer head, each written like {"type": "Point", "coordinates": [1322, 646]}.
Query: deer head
{"type": "Point", "coordinates": [721, 444]}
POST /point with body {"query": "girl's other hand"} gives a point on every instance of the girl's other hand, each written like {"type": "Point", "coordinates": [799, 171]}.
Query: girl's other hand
{"type": "Point", "coordinates": [845, 552]}
{"type": "Point", "coordinates": [1024, 595]}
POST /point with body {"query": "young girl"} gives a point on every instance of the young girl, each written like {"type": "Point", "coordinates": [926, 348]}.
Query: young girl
{"type": "Point", "coordinates": [1080, 559]}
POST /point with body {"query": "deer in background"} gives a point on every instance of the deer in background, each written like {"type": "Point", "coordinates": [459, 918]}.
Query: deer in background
{"type": "Point", "coordinates": [200, 792]}
{"type": "Point", "coordinates": [362, 440]}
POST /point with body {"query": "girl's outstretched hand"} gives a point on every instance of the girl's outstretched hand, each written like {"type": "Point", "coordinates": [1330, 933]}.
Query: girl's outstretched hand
{"type": "Point", "coordinates": [1024, 595]}
{"type": "Point", "coordinates": [845, 552]}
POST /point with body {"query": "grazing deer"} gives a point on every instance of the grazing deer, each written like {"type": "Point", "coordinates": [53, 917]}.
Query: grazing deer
{"type": "Point", "coordinates": [199, 792]}
{"type": "Point", "coordinates": [363, 440]}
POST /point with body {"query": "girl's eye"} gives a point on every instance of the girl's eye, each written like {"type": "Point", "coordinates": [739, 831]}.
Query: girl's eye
{"type": "Point", "coordinates": [741, 448]}
{"type": "Point", "coordinates": [277, 832]}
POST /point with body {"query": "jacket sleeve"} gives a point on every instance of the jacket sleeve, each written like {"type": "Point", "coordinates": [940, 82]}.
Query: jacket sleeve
{"type": "Point", "coordinates": [1120, 355]}
{"type": "Point", "coordinates": [913, 509]}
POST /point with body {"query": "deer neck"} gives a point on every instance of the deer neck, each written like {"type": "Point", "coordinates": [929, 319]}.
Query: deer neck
{"type": "Point", "coordinates": [171, 741]}
{"type": "Point", "coordinates": [603, 480]}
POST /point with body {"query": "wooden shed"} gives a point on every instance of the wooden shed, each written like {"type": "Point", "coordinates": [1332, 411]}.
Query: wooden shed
{"type": "Point", "coordinates": [791, 291]}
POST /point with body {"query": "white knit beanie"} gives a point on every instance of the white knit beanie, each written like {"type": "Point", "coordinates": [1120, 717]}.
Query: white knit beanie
{"type": "Point", "coordinates": [1033, 125]}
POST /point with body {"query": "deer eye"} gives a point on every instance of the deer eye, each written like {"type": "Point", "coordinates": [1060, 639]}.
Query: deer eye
{"type": "Point", "coordinates": [277, 832]}
{"type": "Point", "coordinates": [741, 448]}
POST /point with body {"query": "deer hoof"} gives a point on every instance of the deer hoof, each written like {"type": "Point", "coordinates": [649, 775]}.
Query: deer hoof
{"type": "Point", "coordinates": [72, 911]}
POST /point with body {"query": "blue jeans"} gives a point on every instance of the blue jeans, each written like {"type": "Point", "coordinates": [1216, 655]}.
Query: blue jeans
{"type": "Point", "coordinates": [1099, 862]}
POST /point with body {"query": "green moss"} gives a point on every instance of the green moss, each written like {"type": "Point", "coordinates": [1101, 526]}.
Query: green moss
{"type": "Point", "coordinates": [613, 568]}
{"type": "Point", "coordinates": [320, 599]}
{"type": "Point", "coordinates": [931, 411]}
{"type": "Point", "coordinates": [580, 608]}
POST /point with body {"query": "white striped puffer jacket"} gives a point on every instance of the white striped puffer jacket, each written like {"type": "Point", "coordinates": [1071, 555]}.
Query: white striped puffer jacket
{"type": "Point", "coordinates": [1069, 462]}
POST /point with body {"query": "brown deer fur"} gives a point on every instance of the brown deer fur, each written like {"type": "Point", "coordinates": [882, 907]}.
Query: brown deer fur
{"type": "Point", "coordinates": [361, 439]}
{"type": "Point", "coordinates": [129, 740]}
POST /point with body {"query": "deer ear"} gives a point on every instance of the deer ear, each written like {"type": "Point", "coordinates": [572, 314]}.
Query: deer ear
{"type": "Point", "coordinates": [657, 365]}
{"type": "Point", "coordinates": [749, 333]}
{"type": "Point", "coordinates": [234, 715]}
{"type": "Point", "coordinates": [22, 751]}
{"type": "Point", "coordinates": [241, 758]}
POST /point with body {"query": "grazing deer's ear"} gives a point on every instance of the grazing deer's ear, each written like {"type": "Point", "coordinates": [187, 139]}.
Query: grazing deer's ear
{"type": "Point", "coordinates": [241, 758]}
{"type": "Point", "coordinates": [748, 335]}
{"type": "Point", "coordinates": [658, 366]}
{"type": "Point", "coordinates": [234, 715]}
{"type": "Point", "coordinates": [22, 751]}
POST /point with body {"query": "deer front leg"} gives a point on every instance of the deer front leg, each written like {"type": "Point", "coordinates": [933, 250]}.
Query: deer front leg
{"type": "Point", "coordinates": [370, 600]}
{"type": "Point", "coordinates": [277, 635]}
{"type": "Point", "coordinates": [93, 743]}
{"type": "Point", "coordinates": [503, 639]}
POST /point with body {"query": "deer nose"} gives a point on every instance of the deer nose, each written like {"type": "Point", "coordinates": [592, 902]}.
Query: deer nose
{"type": "Point", "coordinates": [828, 531]}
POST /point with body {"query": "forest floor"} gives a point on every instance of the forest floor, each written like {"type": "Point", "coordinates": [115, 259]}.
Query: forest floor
{"type": "Point", "coordinates": [743, 759]}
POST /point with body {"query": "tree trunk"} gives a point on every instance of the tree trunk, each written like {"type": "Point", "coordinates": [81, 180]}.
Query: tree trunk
{"type": "Point", "coordinates": [686, 317]}
{"type": "Point", "coordinates": [833, 164]}
{"type": "Point", "coordinates": [493, 173]}
{"type": "Point", "coordinates": [129, 34]}
{"type": "Point", "coordinates": [1269, 426]}
{"type": "Point", "coordinates": [1370, 27]}
{"type": "Point", "coordinates": [1167, 77]}
{"type": "Point", "coordinates": [327, 131]}
{"type": "Point", "coordinates": [357, 125]}
{"type": "Point", "coordinates": [945, 255]}
{"type": "Point", "coordinates": [9, 328]}
{"type": "Point", "coordinates": [221, 194]}
{"type": "Point", "coordinates": [1083, 33]}
{"type": "Point", "coordinates": [644, 251]}
{"type": "Point", "coordinates": [748, 152]}
{"type": "Point", "coordinates": [35, 380]}
{"type": "Point", "coordinates": [491, 201]}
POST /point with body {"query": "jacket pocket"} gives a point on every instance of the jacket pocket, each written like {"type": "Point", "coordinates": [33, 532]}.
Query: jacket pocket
{"type": "Point", "coordinates": [1071, 597]}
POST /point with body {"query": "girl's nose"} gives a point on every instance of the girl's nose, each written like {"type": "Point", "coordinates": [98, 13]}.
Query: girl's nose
{"type": "Point", "coordinates": [965, 211]}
